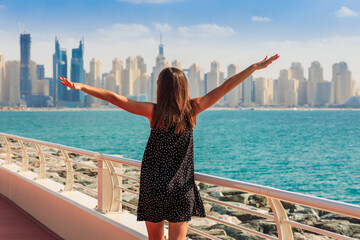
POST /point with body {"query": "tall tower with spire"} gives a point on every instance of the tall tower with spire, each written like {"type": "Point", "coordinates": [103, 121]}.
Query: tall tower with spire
{"type": "Point", "coordinates": [161, 63]}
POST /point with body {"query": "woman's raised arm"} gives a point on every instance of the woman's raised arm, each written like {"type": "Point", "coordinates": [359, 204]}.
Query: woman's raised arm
{"type": "Point", "coordinates": [213, 96]}
{"type": "Point", "coordinates": [136, 107]}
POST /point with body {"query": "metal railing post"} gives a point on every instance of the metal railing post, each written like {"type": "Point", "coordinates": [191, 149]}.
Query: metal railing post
{"type": "Point", "coordinates": [69, 171]}
{"type": "Point", "coordinates": [115, 180]}
{"type": "Point", "coordinates": [99, 182]}
{"type": "Point", "coordinates": [42, 167]}
{"type": "Point", "coordinates": [25, 160]}
{"type": "Point", "coordinates": [284, 230]}
{"type": "Point", "coordinates": [8, 153]}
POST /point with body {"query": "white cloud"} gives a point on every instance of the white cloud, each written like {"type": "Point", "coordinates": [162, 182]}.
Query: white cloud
{"type": "Point", "coordinates": [162, 27]}
{"type": "Point", "coordinates": [148, 1]}
{"type": "Point", "coordinates": [2, 6]}
{"type": "Point", "coordinates": [260, 19]}
{"type": "Point", "coordinates": [123, 31]}
{"type": "Point", "coordinates": [205, 30]}
{"type": "Point", "coordinates": [345, 12]}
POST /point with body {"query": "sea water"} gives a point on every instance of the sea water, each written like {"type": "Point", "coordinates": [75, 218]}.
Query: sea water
{"type": "Point", "coordinates": [312, 152]}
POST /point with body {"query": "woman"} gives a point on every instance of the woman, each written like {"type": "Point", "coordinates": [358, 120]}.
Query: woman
{"type": "Point", "coordinates": [167, 186]}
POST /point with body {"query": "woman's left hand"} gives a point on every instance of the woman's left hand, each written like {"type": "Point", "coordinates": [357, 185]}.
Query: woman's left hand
{"type": "Point", "coordinates": [68, 83]}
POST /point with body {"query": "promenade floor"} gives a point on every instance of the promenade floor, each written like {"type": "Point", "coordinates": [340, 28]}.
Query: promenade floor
{"type": "Point", "coordinates": [16, 224]}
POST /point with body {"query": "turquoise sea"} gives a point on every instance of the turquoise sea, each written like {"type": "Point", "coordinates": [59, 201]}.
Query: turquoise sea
{"type": "Point", "coordinates": [312, 152]}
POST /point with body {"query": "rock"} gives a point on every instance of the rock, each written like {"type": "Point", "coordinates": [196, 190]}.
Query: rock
{"type": "Point", "coordinates": [246, 236]}
{"type": "Point", "coordinates": [203, 186]}
{"type": "Point", "coordinates": [309, 236]}
{"type": "Point", "coordinates": [330, 216]}
{"type": "Point", "coordinates": [225, 237]}
{"type": "Point", "coordinates": [341, 227]}
{"type": "Point", "coordinates": [231, 219]}
{"type": "Point", "coordinates": [202, 222]}
{"type": "Point", "coordinates": [207, 207]}
{"type": "Point", "coordinates": [264, 226]}
{"type": "Point", "coordinates": [215, 232]}
{"type": "Point", "coordinates": [260, 201]}
{"type": "Point", "coordinates": [217, 195]}
{"type": "Point", "coordinates": [287, 205]}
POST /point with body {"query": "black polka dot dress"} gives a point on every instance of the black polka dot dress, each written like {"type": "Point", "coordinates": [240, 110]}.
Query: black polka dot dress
{"type": "Point", "coordinates": [167, 186]}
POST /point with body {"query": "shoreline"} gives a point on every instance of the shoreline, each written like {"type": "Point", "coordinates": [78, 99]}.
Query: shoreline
{"type": "Point", "coordinates": [209, 109]}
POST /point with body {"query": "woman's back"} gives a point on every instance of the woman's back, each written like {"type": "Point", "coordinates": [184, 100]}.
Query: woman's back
{"type": "Point", "coordinates": [167, 187]}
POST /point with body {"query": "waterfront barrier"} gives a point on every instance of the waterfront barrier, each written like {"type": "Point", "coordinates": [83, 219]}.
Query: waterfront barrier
{"type": "Point", "coordinates": [106, 188]}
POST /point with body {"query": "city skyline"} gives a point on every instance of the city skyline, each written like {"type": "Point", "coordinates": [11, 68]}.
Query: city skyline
{"type": "Point", "coordinates": [29, 87]}
{"type": "Point", "coordinates": [193, 32]}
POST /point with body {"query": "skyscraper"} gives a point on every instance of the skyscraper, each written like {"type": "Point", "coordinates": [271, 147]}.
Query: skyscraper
{"type": "Point", "coordinates": [176, 64]}
{"type": "Point", "coordinates": [247, 91]}
{"type": "Point", "coordinates": [13, 78]}
{"type": "Point", "coordinates": [94, 80]}
{"type": "Point", "coordinates": [3, 85]}
{"type": "Point", "coordinates": [40, 72]}
{"type": "Point", "coordinates": [341, 82]}
{"type": "Point", "coordinates": [194, 80]}
{"type": "Point", "coordinates": [161, 63]}
{"type": "Point", "coordinates": [315, 76]}
{"type": "Point", "coordinates": [233, 96]}
{"type": "Point", "coordinates": [77, 72]}
{"type": "Point", "coordinates": [264, 91]}
{"type": "Point", "coordinates": [131, 74]}
{"type": "Point", "coordinates": [59, 69]}
{"type": "Point", "coordinates": [25, 68]}
{"type": "Point", "coordinates": [117, 70]}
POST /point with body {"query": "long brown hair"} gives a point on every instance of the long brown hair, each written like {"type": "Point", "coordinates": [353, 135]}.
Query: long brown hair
{"type": "Point", "coordinates": [174, 105]}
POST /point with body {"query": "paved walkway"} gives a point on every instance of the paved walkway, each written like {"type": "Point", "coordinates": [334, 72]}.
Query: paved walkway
{"type": "Point", "coordinates": [16, 224]}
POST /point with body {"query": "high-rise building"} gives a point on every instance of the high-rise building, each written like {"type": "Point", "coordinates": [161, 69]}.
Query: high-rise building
{"type": "Point", "coordinates": [176, 64]}
{"type": "Point", "coordinates": [33, 77]}
{"type": "Point", "coordinates": [43, 87]}
{"type": "Point", "coordinates": [316, 72]}
{"type": "Point", "coordinates": [315, 76]}
{"type": "Point", "coordinates": [264, 91]}
{"type": "Point", "coordinates": [283, 87]}
{"type": "Point", "coordinates": [110, 82]}
{"type": "Point", "coordinates": [61, 92]}
{"type": "Point", "coordinates": [291, 95]}
{"type": "Point", "coordinates": [342, 85]}
{"type": "Point", "coordinates": [117, 70]}
{"type": "Point", "coordinates": [296, 71]}
{"type": "Point", "coordinates": [77, 72]}
{"type": "Point", "coordinates": [25, 68]}
{"type": "Point", "coordinates": [131, 74]}
{"type": "Point", "coordinates": [4, 86]}
{"type": "Point", "coordinates": [160, 64]}
{"type": "Point", "coordinates": [40, 72]}
{"type": "Point", "coordinates": [94, 80]}
{"type": "Point", "coordinates": [141, 64]}
{"type": "Point", "coordinates": [213, 77]}
{"type": "Point", "coordinates": [323, 92]}
{"type": "Point", "coordinates": [13, 78]}
{"type": "Point", "coordinates": [247, 91]}
{"type": "Point", "coordinates": [194, 80]}
{"type": "Point", "coordinates": [232, 97]}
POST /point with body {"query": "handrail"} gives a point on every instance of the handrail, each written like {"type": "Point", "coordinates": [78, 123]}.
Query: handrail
{"type": "Point", "coordinates": [110, 187]}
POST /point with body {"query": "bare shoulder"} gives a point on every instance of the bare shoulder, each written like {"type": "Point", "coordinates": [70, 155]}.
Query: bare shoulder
{"type": "Point", "coordinates": [196, 104]}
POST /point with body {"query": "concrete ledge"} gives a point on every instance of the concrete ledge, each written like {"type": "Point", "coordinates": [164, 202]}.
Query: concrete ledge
{"type": "Point", "coordinates": [70, 214]}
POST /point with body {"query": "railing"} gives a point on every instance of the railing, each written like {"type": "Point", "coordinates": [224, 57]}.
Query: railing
{"type": "Point", "coordinates": [114, 181]}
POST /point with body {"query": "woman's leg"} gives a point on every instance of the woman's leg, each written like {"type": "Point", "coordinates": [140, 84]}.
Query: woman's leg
{"type": "Point", "coordinates": [178, 230]}
{"type": "Point", "coordinates": [155, 230]}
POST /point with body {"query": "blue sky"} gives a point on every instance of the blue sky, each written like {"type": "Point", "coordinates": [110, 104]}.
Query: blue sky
{"type": "Point", "coordinates": [201, 31]}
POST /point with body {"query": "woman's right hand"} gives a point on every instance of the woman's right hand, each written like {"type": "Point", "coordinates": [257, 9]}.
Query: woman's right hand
{"type": "Point", "coordinates": [264, 63]}
{"type": "Point", "coordinates": [68, 83]}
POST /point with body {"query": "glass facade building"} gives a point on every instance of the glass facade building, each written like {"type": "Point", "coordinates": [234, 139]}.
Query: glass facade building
{"type": "Point", "coordinates": [25, 76]}
{"type": "Point", "coordinates": [77, 72]}
{"type": "Point", "coordinates": [59, 69]}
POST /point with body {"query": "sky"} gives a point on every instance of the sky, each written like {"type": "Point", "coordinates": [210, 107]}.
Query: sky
{"type": "Point", "coordinates": [194, 31]}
